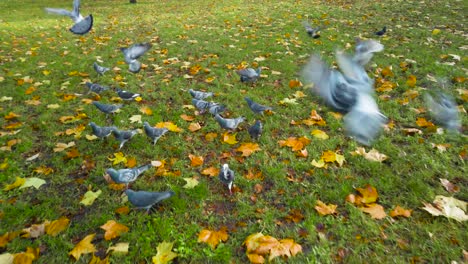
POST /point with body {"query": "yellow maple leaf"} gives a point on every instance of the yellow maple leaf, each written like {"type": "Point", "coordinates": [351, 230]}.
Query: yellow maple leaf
{"type": "Point", "coordinates": [89, 197]}
{"type": "Point", "coordinates": [324, 209]}
{"type": "Point", "coordinates": [229, 138]}
{"type": "Point", "coordinates": [195, 161]}
{"type": "Point", "coordinates": [97, 260]}
{"type": "Point", "coordinates": [118, 158]}
{"type": "Point", "coordinates": [164, 253]}
{"type": "Point", "coordinates": [18, 182]}
{"type": "Point", "coordinates": [369, 194]}
{"type": "Point", "coordinates": [169, 125]}
{"type": "Point", "coordinates": [62, 146]}
{"type": "Point", "coordinates": [146, 110]}
{"type": "Point", "coordinates": [212, 238]}
{"type": "Point", "coordinates": [319, 164]}
{"type": "Point", "coordinates": [83, 247]}
{"type": "Point", "coordinates": [113, 229]}
{"type": "Point", "coordinates": [211, 171]}
{"type": "Point", "coordinates": [210, 136]}
{"type": "Point", "coordinates": [248, 148]}
{"type": "Point", "coordinates": [57, 226]}
{"type": "Point", "coordinates": [194, 126]}
{"type": "Point", "coordinates": [400, 211]}
{"type": "Point", "coordinates": [411, 81]}
{"type": "Point", "coordinates": [319, 134]}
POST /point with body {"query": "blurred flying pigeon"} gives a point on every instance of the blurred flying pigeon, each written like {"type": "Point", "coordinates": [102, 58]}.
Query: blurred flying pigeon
{"type": "Point", "coordinates": [132, 53]}
{"type": "Point", "coordinates": [124, 135]}
{"type": "Point", "coordinates": [153, 132]}
{"type": "Point", "coordinates": [108, 109]}
{"type": "Point", "coordinates": [226, 176]}
{"type": "Point", "coordinates": [199, 94]}
{"type": "Point", "coordinates": [255, 107]}
{"type": "Point", "coordinates": [255, 131]}
{"type": "Point", "coordinates": [249, 74]}
{"type": "Point", "coordinates": [216, 109]}
{"type": "Point", "coordinates": [230, 124]}
{"type": "Point", "coordinates": [312, 32]}
{"type": "Point", "coordinates": [127, 175]}
{"type": "Point", "coordinates": [381, 32]}
{"type": "Point", "coordinates": [127, 95]}
{"type": "Point", "coordinates": [100, 69]}
{"type": "Point", "coordinates": [145, 200]}
{"type": "Point", "coordinates": [443, 109]}
{"type": "Point", "coordinates": [101, 132]}
{"type": "Point", "coordinates": [82, 25]}
{"type": "Point", "coordinates": [96, 88]}
{"type": "Point", "coordinates": [365, 49]}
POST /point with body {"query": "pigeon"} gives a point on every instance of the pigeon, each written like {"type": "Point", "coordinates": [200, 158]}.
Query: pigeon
{"type": "Point", "coordinates": [255, 131]}
{"type": "Point", "coordinates": [96, 88]}
{"type": "Point", "coordinates": [153, 132]}
{"type": "Point", "coordinates": [200, 95]}
{"type": "Point", "coordinates": [255, 107]}
{"type": "Point", "coordinates": [108, 109]}
{"type": "Point", "coordinates": [132, 53]}
{"type": "Point", "coordinates": [146, 200]}
{"type": "Point", "coordinates": [230, 124]}
{"type": "Point", "coordinates": [365, 49]}
{"type": "Point", "coordinates": [128, 96]}
{"type": "Point", "coordinates": [249, 74]}
{"type": "Point", "coordinates": [312, 32]}
{"type": "Point", "coordinates": [124, 135]}
{"type": "Point", "coordinates": [82, 24]}
{"type": "Point", "coordinates": [127, 175]}
{"type": "Point", "coordinates": [100, 69]}
{"type": "Point", "coordinates": [443, 109]}
{"type": "Point", "coordinates": [226, 176]}
{"type": "Point", "coordinates": [203, 106]}
{"type": "Point", "coordinates": [101, 132]}
{"type": "Point", "coordinates": [216, 109]}
{"type": "Point", "coordinates": [381, 32]}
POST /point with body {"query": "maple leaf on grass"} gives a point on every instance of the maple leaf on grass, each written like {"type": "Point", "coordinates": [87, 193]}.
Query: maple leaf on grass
{"type": "Point", "coordinates": [169, 125]}
{"type": "Point", "coordinates": [448, 207]}
{"type": "Point", "coordinates": [113, 229]}
{"type": "Point", "coordinates": [450, 187]}
{"type": "Point", "coordinates": [229, 138]}
{"type": "Point", "coordinates": [211, 171]}
{"type": "Point", "coordinates": [324, 209]}
{"type": "Point", "coordinates": [369, 194]}
{"type": "Point", "coordinates": [372, 155]}
{"type": "Point", "coordinates": [195, 161]}
{"type": "Point", "coordinates": [376, 211]}
{"type": "Point", "coordinates": [119, 248]}
{"type": "Point", "coordinates": [97, 260]}
{"type": "Point", "coordinates": [18, 182]}
{"type": "Point", "coordinates": [89, 197]}
{"type": "Point", "coordinates": [57, 226]}
{"type": "Point", "coordinates": [164, 253]}
{"type": "Point", "coordinates": [190, 183]}
{"type": "Point", "coordinates": [248, 148]}
{"type": "Point", "coordinates": [119, 157]}
{"type": "Point", "coordinates": [400, 211]}
{"type": "Point", "coordinates": [83, 247]}
{"type": "Point", "coordinates": [213, 238]}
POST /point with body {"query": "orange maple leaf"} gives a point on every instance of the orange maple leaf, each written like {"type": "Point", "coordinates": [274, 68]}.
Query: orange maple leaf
{"type": "Point", "coordinates": [195, 161]}
{"type": "Point", "coordinates": [399, 211]}
{"type": "Point", "coordinates": [213, 238]}
{"type": "Point", "coordinates": [113, 229]}
{"type": "Point", "coordinates": [248, 148]}
{"type": "Point", "coordinates": [324, 209]}
{"type": "Point", "coordinates": [211, 171]}
{"type": "Point", "coordinates": [369, 194]}
{"type": "Point", "coordinates": [376, 211]}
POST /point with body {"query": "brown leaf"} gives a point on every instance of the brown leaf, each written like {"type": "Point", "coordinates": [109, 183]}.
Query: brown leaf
{"type": "Point", "coordinates": [195, 126]}
{"type": "Point", "coordinates": [450, 187]}
{"type": "Point", "coordinates": [375, 210]}
{"type": "Point", "coordinates": [124, 210]}
{"type": "Point", "coordinates": [211, 136]}
{"type": "Point", "coordinates": [399, 211]}
{"type": "Point", "coordinates": [187, 117]}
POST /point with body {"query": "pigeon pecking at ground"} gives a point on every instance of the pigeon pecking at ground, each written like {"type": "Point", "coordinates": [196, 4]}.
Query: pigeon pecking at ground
{"type": "Point", "coordinates": [312, 32]}
{"type": "Point", "coordinates": [124, 135]}
{"type": "Point", "coordinates": [153, 132]}
{"type": "Point", "coordinates": [107, 109]}
{"type": "Point", "coordinates": [96, 88]}
{"type": "Point", "coordinates": [365, 49]}
{"type": "Point", "coordinates": [226, 176]}
{"type": "Point", "coordinates": [127, 175]}
{"type": "Point", "coordinates": [202, 105]}
{"type": "Point", "coordinates": [255, 131]}
{"type": "Point", "coordinates": [249, 74]}
{"type": "Point", "coordinates": [216, 109]}
{"type": "Point", "coordinates": [82, 24]}
{"type": "Point", "coordinates": [127, 96]}
{"type": "Point", "coordinates": [257, 108]}
{"type": "Point", "coordinates": [145, 200]}
{"type": "Point", "coordinates": [230, 124]}
{"type": "Point", "coordinates": [443, 109]}
{"type": "Point", "coordinates": [101, 132]}
{"type": "Point", "coordinates": [132, 53]}
{"type": "Point", "coordinates": [100, 69]}
{"type": "Point", "coordinates": [199, 95]}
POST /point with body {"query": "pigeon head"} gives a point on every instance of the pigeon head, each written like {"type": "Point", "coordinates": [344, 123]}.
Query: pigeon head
{"type": "Point", "coordinates": [113, 174]}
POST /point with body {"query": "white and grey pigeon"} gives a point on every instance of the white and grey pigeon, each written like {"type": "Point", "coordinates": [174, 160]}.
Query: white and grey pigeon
{"type": "Point", "coordinates": [124, 135]}
{"type": "Point", "coordinates": [101, 132]}
{"type": "Point", "coordinates": [226, 176]}
{"type": "Point", "coordinates": [256, 107]}
{"type": "Point", "coordinates": [202, 105]}
{"type": "Point", "coordinates": [312, 32]}
{"type": "Point", "coordinates": [127, 175]}
{"type": "Point", "coordinates": [127, 96]}
{"type": "Point", "coordinates": [107, 109]}
{"type": "Point", "coordinates": [229, 123]}
{"type": "Point", "coordinates": [153, 132]}
{"type": "Point", "coordinates": [96, 88]}
{"type": "Point", "coordinates": [216, 108]}
{"type": "Point", "coordinates": [365, 49]}
{"type": "Point", "coordinates": [132, 53]}
{"type": "Point", "coordinates": [255, 131]}
{"type": "Point", "coordinates": [249, 74]}
{"type": "Point", "coordinates": [444, 110]}
{"type": "Point", "coordinates": [199, 94]}
{"type": "Point", "coordinates": [145, 200]}
{"type": "Point", "coordinates": [82, 24]}
{"type": "Point", "coordinates": [100, 69]}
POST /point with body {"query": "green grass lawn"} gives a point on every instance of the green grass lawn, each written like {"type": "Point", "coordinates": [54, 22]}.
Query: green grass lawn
{"type": "Point", "coordinates": [43, 72]}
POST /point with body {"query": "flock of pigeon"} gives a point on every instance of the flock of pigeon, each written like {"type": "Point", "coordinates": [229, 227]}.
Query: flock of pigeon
{"type": "Point", "coordinates": [349, 91]}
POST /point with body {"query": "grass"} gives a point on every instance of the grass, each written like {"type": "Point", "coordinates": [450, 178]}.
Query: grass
{"type": "Point", "coordinates": [219, 36]}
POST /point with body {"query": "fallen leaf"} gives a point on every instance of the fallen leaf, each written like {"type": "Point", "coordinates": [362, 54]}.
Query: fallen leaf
{"type": "Point", "coordinates": [89, 197]}
{"type": "Point", "coordinates": [372, 155]}
{"type": "Point", "coordinates": [34, 231]}
{"type": "Point", "coordinates": [169, 125]}
{"type": "Point", "coordinates": [146, 110]}
{"type": "Point", "coordinates": [135, 119]}
{"type": "Point", "coordinates": [191, 183]}
{"type": "Point", "coordinates": [194, 126]}
{"type": "Point", "coordinates": [57, 226]}
{"type": "Point", "coordinates": [212, 238]}
{"type": "Point", "coordinates": [118, 158]}
{"type": "Point", "coordinates": [195, 161]}
{"type": "Point", "coordinates": [411, 81]}
{"type": "Point", "coordinates": [119, 248]}
{"type": "Point", "coordinates": [83, 247]}
{"type": "Point", "coordinates": [18, 182]}
{"type": "Point", "coordinates": [113, 229]}
{"type": "Point", "coordinates": [376, 211]}
{"type": "Point", "coordinates": [33, 182]}
{"type": "Point", "coordinates": [450, 187]}
{"type": "Point", "coordinates": [164, 253]}
{"type": "Point", "coordinates": [97, 260]}
{"type": "Point", "coordinates": [211, 136]}
{"type": "Point", "coordinates": [324, 209]}
{"type": "Point", "coordinates": [248, 148]}
{"type": "Point", "coordinates": [6, 258]}
{"type": "Point", "coordinates": [369, 194]}
{"type": "Point", "coordinates": [319, 164]}
{"type": "Point", "coordinates": [211, 171]}
{"type": "Point", "coordinates": [229, 138]}
{"type": "Point", "coordinates": [319, 134]}
{"type": "Point", "coordinates": [399, 211]}
{"type": "Point", "coordinates": [448, 207]}
{"type": "Point", "coordinates": [62, 146]}
{"type": "Point", "coordinates": [294, 84]}
{"type": "Point", "coordinates": [91, 137]}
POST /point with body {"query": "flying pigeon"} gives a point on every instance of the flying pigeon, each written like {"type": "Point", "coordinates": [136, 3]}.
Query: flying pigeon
{"type": "Point", "coordinates": [381, 32]}
{"type": "Point", "coordinates": [365, 49]}
{"type": "Point", "coordinates": [216, 109]}
{"type": "Point", "coordinates": [132, 53]}
{"type": "Point", "coordinates": [249, 74]}
{"type": "Point", "coordinates": [108, 109]}
{"type": "Point", "coordinates": [312, 32]}
{"type": "Point", "coordinates": [443, 109]}
{"type": "Point", "coordinates": [199, 94]}
{"type": "Point", "coordinates": [226, 176]}
{"type": "Point", "coordinates": [124, 135]}
{"type": "Point", "coordinates": [127, 175]}
{"type": "Point", "coordinates": [255, 131]}
{"type": "Point", "coordinates": [96, 88]}
{"type": "Point", "coordinates": [101, 132]}
{"type": "Point", "coordinates": [255, 107]}
{"type": "Point", "coordinates": [153, 132]}
{"type": "Point", "coordinates": [146, 200]}
{"type": "Point", "coordinates": [230, 124]}
{"type": "Point", "coordinates": [100, 69]}
{"type": "Point", "coordinates": [82, 25]}
{"type": "Point", "coordinates": [127, 95]}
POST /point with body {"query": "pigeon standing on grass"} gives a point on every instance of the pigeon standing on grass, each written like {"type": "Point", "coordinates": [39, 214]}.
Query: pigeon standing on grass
{"type": "Point", "coordinates": [101, 132]}
{"type": "Point", "coordinates": [226, 176]}
{"type": "Point", "coordinates": [127, 96]}
{"type": "Point", "coordinates": [443, 109]}
{"type": "Point", "coordinates": [145, 200]}
{"type": "Point", "coordinates": [255, 131]}
{"type": "Point", "coordinates": [132, 53]}
{"type": "Point", "coordinates": [199, 95]}
{"type": "Point", "coordinates": [249, 74]}
{"type": "Point", "coordinates": [124, 135]}
{"type": "Point", "coordinates": [127, 175]}
{"type": "Point", "coordinates": [216, 109]}
{"type": "Point", "coordinates": [312, 32]}
{"type": "Point", "coordinates": [230, 124]}
{"type": "Point", "coordinates": [100, 69]}
{"type": "Point", "coordinates": [153, 132]}
{"type": "Point", "coordinates": [255, 107]}
{"type": "Point", "coordinates": [381, 32]}
{"type": "Point", "coordinates": [365, 49]}
{"type": "Point", "coordinates": [82, 24]}
{"type": "Point", "coordinates": [96, 88]}
{"type": "Point", "coordinates": [107, 109]}
{"type": "Point", "coordinates": [202, 105]}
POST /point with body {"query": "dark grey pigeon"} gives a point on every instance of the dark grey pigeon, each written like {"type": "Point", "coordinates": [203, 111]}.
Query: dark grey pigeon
{"type": "Point", "coordinates": [127, 95]}
{"type": "Point", "coordinates": [381, 32]}
{"type": "Point", "coordinates": [153, 132]}
{"type": "Point", "coordinates": [227, 123]}
{"type": "Point", "coordinates": [249, 74]}
{"type": "Point", "coordinates": [124, 135]}
{"type": "Point", "coordinates": [255, 107]}
{"type": "Point", "coordinates": [365, 49]}
{"type": "Point", "coordinates": [132, 53]}
{"type": "Point", "coordinates": [127, 175]}
{"type": "Point", "coordinates": [201, 105]}
{"type": "Point", "coordinates": [101, 132]}
{"type": "Point", "coordinates": [108, 109]}
{"type": "Point", "coordinates": [96, 88]}
{"type": "Point", "coordinates": [444, 110]}
{"type": "Point", "coordinates": [100, 69]}
{"type": "Point", "coordinates": [216, 109]}
{"type": "Point", "coordinates": [255, 131]}
{"type": "Point", "coordinates": [226, 176]}
{"type": "Point", "coordinates": [312, 32]}
{"type": "Point", "coordinates": [82, 25]}
{"type": "Point", "coordinates": [145, 200]}
{"type": "Point", "coordinates": [199, 94]}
